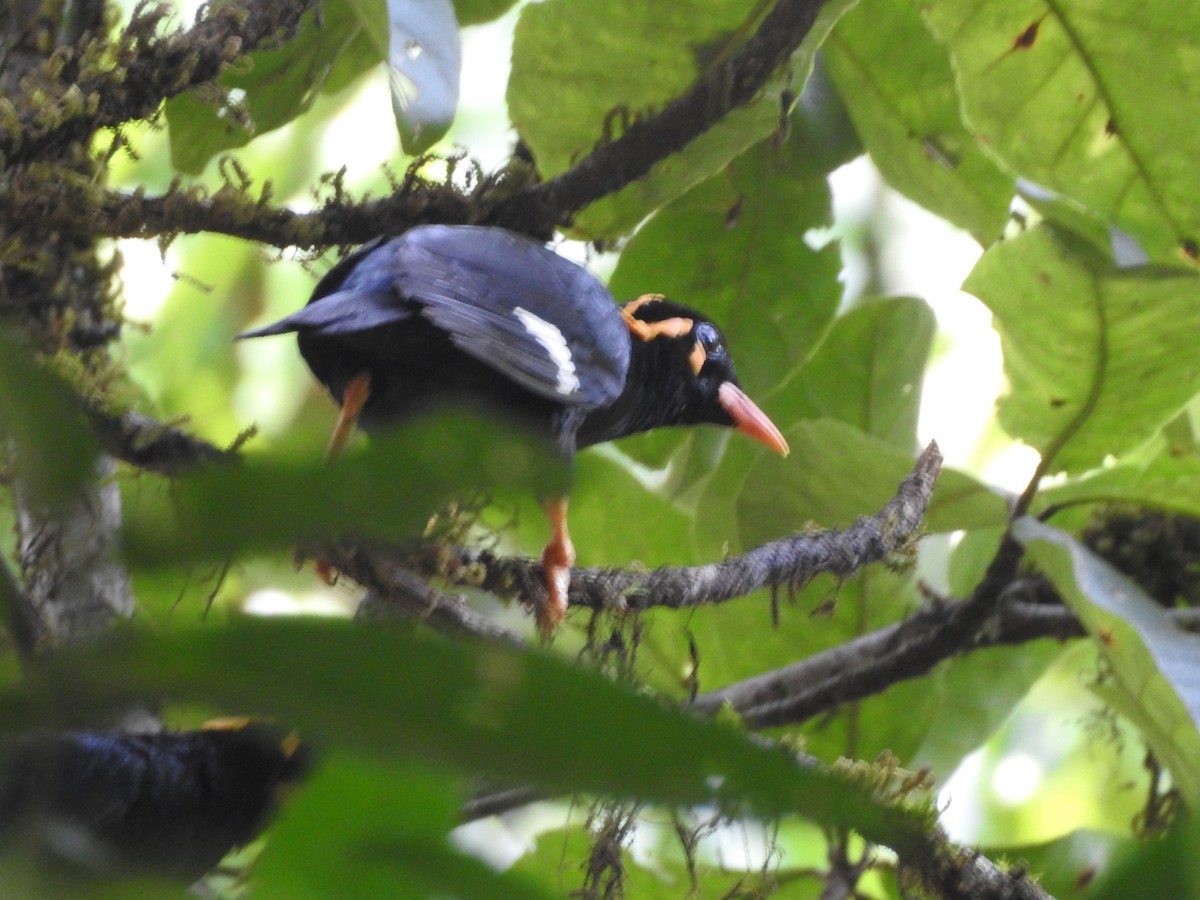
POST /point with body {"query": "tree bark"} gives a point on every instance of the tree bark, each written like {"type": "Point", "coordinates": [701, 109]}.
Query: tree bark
{"type": "Point", "coordinates": [55, 290]}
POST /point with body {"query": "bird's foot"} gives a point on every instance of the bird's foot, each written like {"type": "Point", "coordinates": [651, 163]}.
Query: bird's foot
{"type": "Point", "coordinates": [557, 559]}
{"type": "Point", "coordinates": [551, 612]}
{"type": "Point", "coordinates": [326, 571]}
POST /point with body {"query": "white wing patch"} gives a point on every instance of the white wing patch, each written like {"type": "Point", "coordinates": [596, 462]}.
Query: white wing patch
{"type": "Point", "coordinates": [553, 342]}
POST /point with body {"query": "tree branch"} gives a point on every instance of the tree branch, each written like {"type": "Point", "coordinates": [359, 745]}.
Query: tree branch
{"type": "Point", "coordinates": [960, 873]}
{"type": "Point", "coordinates": [152, 445]}
{"type": "Point", "coordinates": [788, 561]}
{"type": "Point", "coordinates": [54, 198]}
{"type": "Point", "coordinates": [51, 196]}
{"type": "Point", "coordinates": [868, 664]}
{"type": "Point", "coordinates": [394, 592]}
{"type": "Point", "coordinates": [76, 93]}
{"type": "Point", "coordinates": [611, 166]}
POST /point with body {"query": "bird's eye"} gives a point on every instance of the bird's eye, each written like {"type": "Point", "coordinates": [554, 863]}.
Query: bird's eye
{"type": "Point", "coordinates": [708, 338]}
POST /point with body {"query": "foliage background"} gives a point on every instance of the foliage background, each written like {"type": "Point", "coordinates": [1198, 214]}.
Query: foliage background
{"type": "Point", "coordinates": [1086, 116]}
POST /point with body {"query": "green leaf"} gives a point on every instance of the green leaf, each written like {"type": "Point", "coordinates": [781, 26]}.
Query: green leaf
{"type": "Point", "coordinates": [631, 59]}
{"type": "Point", "coordinates": [383, 830]}
{"type": "Point", "coordinates": [869, 370]}
{"type": "Point", "coordinates": [1170, 483]}
{"type": "Point", "coordinates": [961, 723]}
{"type": "Point", "coordinates": [273, 88]}
{"type": "Point", "coordinates": [424, 63]}
{"type": "Point", "coordinates": [905, 107]}
{"type": "Point", "coordinates": [837, 473]}
{"type": "Point", "coordinates": [1074, 865]}
{"type": "Point", "coordinates": [1155, 666]}
{"type": "Point", "coordinates": [509, 715]}
{"type": "Point", "coordinates": [734, 248]}
{"type": "Point", "coordinates": [388, 490]}
{"type": "Point", "coordinates": [476, 12]}
{"type": "Point", "coordinates": [1098, 358]}
{"type": "Point", "coordinates": [1155, 868]}
{"type": "Point", "coordinates": [658, 871]}
{"type": "Point", "coordinates": [739, 642]}
{"type": "Point", "coordinates": [1092, 101]}
{"type": "Point", "coordinates": [56, 454]}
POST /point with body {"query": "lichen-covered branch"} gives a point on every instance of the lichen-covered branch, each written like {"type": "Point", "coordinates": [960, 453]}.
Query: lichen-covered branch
{"type": "Point", "coordinates": [788, 561]}
{"type": "Point", "coordinates": [152, 445]}
{"type": "Point", "coordinates": [74, 205]}
{"type": "Point", "coordinates": [947, 870]}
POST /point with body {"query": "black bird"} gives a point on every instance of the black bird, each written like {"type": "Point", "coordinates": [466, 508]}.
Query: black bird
{"type": "Point", "coordinates": [483, 317]}
{"type": "Point", "coordinates": [169, 804]}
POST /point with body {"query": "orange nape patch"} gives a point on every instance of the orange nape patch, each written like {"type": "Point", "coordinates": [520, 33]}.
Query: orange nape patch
{"type": "Point", "coordinates": [698, 357]}
{"type": "Point", "coordinates": [290, 744]}
{"type": "Point", "coordinates": [227, 723]}
{"type": "Point", "coordinates": [648, 331]}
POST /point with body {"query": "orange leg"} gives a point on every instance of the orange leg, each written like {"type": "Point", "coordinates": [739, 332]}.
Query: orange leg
{"type": "Point", "coordinates": [557, 559]}
{"type": "Point", "coordinates": [354, 398]}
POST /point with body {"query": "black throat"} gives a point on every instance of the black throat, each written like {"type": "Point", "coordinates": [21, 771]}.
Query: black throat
{"type": "Point", "coordinates": [660, 390]}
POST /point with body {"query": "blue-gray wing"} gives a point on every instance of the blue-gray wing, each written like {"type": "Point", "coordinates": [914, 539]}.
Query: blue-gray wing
{"type": "Point", "coordinates": [539, 319]}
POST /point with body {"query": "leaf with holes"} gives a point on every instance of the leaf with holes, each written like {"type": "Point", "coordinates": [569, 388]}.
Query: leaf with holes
{"type": "Point", "coordinates": [274, 87]}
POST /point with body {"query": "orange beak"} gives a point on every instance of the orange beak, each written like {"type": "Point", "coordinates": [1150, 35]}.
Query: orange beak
{"type": "Point", "coordinates": [749, 419]}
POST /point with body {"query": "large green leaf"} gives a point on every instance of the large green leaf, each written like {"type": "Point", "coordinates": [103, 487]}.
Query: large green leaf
{"type": "Point", "coordinates": [738, 640]}
{"type": "Point", "coordinates": [905, 107]}
{"type": "Point", "coordinates": [837, 473]}
{"type": "Point", "coordinates": [1098, 358]}
{"type": "Point", "coordinates": [387, 490]}
{"type": "Point", "coordinates": [465, 708]}
{"type": "Point", "coordinates": [1155, 666]}
{"type": "Point", "coordinates": [869, 371]}
{"type": "Point", "coordinates": [1155, 868]}
{"type": "Point", "coordinates": [1170, 483]}
{"type": "Point", "coordinates": [382, 831]}
{"type": "Point", "coordinates": [1091, 100]}
{"type": "Point", "coordinates": [629, 59]}
{"type": "Point", "coordinates": [961, 720]}
{"type": "Point", "coordinates": [272, 88]}
{"type": "Point", "coordinates": [734, 248]}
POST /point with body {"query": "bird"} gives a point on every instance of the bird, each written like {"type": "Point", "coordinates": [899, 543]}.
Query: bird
{"type": "Point", "coordinates": [482, 317]}
{"type": "Point", "coordinates": [170, 804]}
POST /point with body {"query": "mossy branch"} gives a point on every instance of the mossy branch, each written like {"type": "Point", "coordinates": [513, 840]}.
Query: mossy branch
{"type": "Point", "coordinates": [99, 83]}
